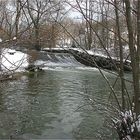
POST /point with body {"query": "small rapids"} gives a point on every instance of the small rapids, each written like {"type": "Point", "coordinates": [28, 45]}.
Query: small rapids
{"type": "Point", "coordinates": [62, 59]}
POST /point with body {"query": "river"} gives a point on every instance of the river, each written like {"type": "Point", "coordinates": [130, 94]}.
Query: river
{"type": "Point", "coordinates": [53, 104]}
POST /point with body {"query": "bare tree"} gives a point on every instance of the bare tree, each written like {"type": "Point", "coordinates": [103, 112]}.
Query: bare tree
{"type": "Point", "coordinates": [39, 13]}
{"type": "Point", "coordinates": [123, 14]}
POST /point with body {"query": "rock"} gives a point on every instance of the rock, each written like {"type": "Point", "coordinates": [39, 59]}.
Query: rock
{"type": "Point", "coordinates": [33, 68]}
{"type": "Point", "coordinates": [99, 61]}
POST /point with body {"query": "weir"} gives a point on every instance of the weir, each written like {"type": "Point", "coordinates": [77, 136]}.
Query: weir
{"type": "Point", "coordinates": [92, 60]}
{"type": "Point", "coordinates": [58, 59]}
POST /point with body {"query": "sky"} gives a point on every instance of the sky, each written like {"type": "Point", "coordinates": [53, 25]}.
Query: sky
{"type": "Point", "coordinates": [73, 13]}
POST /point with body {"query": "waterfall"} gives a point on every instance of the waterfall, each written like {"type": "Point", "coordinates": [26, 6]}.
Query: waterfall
{"type": "Point", "coordinates": [57, 59]}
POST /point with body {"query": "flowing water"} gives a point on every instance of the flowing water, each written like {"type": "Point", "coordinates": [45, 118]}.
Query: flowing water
{"type": "Point", "coordinates": [53, 104]}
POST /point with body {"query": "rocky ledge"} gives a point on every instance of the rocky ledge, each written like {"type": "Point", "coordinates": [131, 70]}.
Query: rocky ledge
{"type": "Point", "coordinates": [100, 61]}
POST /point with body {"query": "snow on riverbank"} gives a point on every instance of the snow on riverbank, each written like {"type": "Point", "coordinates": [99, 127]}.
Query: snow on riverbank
{"type": "Point", "coordinates": [13, 60]}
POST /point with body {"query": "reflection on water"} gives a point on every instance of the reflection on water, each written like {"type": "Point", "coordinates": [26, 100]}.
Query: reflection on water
{"type": "Point", "coordinates": [51, 105]}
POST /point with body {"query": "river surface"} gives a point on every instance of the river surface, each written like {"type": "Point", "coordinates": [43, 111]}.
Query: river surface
{"type": "Point", "coordinates": [54, 104]}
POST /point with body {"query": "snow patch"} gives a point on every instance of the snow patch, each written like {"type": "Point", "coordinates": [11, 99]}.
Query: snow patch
{"type": "Point", "coordinates": [127, 124]}
{"type": "Point", "coordinates": [13, 60]}
{"type": "Point", "coordinates": [0, 40]}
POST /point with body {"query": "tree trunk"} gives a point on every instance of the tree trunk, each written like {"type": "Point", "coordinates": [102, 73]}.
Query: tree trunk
{"type": "Point", "coordinates": [121, 72]}
{"type": "Point", "coordinates": [134, 57]}
{"type": "Point", "coordinates": [18, 10]}
{"type": "Point", "coordinates": [137, 95]}
{"type": "Point", "coordinates": [37, 40]}
{"type": "Point", "coordinates": [53, 41]}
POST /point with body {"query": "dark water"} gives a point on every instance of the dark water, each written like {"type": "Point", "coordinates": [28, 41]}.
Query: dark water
{"type": "Point", "coordinates": [53, 105]}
